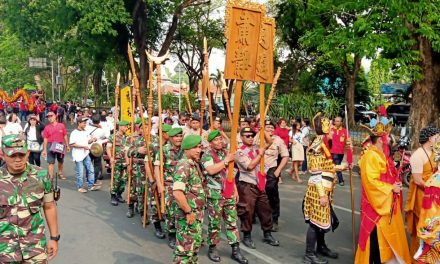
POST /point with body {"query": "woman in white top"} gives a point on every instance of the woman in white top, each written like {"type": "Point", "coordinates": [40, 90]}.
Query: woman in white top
{"type": "Point", "coordinates": [12, 127]}
{"type": "Point", "coordinates": [297, 151]}
{"type": "Point", "coordinates": [33, 132]}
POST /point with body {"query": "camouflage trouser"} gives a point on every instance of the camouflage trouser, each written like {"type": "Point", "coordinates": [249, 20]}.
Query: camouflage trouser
{"type": "Point", "coordinates": [137, 189]}
{"type": "Point", "coordinates": [152, 205]}
{"type": "Point", "coordinates": [188, 239]}
{"type": "Point", "coordinates": [170, 210]}
{"type": "Point", "coordinates": [38, 259]}
{"type": "Point", "coordinates": [219, 209]}
{"type": "Point", "coordinates": [119, 178]}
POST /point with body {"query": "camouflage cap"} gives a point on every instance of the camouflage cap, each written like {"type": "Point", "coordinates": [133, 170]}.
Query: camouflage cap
{"type": "Point", "coordinates": [175, 131]}
{"type": "Point", "coordinates": [191, 141]}
{"type": "Point", "coordinates": [139, 120]}
{"type": "Point", "coordinates": [213, 134]}
{"type": "Point", "coordinates": [12, 144]}
{"type": "Point", "coordinates": [166, 127]}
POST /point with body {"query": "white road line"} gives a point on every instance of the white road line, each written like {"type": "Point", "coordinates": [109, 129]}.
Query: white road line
{"type": "Point", "coordinates": [253, 252]}
{"type": "Point", "coordinates": [345, 209]}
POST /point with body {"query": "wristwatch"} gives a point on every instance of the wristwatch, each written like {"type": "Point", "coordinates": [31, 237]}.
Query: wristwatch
{"type": "Point", "coordinates": [55, 238]}
{"type": "Point", "coordinates": [226, 163]}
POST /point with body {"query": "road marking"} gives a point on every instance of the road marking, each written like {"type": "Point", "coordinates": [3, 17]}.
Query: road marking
{"type": "Point", "coordinates": [253, 252]}
{"type": "Point", "coordinates": [345, 209]}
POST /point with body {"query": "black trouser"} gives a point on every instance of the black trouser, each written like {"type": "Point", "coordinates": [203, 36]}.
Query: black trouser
{"type": "Point", "coordinates": [273, 193]}
{"type": "Point", "coordinates": [374, 248]}
{"type": "Point", "coordinates": [97, 166]}
{"type": "Point", "coordinates": [337, 159]}
{"type": "Point", "coordinates": [314, 237]}
{"type": "Point", "coordinates": [34, 158]}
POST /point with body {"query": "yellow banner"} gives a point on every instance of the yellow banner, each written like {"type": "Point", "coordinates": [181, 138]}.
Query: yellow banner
{"type": "Point", "coordinates": [126, 105]}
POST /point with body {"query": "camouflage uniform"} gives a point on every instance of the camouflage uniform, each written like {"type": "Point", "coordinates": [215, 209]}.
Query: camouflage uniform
{"type": "Point", "coordinates": [218, 206]}
{"type": "Point", "coordinates": [171, 156]}
{"type": "Point", "coordinates": [119, 175]}
{"type": "Point", "coordinates": [189, 179]}
{"type": "Point", "coordinates": [22, 236]}
{"type": "Point", "coordinates": [138, 180]}
{"type": "Point", "coordinates": [152, 205]}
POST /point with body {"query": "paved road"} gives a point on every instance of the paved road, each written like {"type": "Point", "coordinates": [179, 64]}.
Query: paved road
{"type": "Point", "coordinates": [93, 231]}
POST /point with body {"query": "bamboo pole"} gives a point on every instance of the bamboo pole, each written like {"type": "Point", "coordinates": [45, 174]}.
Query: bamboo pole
{"type": "Point", "coordinates": [158, 79]}
{"type": "Point", "coordinates": [262, 125]}
{"type": "Point", "coordinates": [207, 82]}
{"type": "Point", "coordinates": [115, 117]}
{"type": "Point", "coordinates": [235, 118]}
{"type": "Point", "coordinates": [225, 94]}
{"type": "Point", "coordinates": [272, 91]}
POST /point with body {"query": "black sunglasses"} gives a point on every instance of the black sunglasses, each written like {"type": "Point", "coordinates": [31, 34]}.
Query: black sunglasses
{"type": "Point", "coordinates": [248, 136]}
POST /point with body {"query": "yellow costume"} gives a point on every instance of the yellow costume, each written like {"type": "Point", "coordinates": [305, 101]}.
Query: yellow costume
{"type": "Point", "coordinates": [376, 206]}
{"type": "Point", "coordinates": [413, 205]}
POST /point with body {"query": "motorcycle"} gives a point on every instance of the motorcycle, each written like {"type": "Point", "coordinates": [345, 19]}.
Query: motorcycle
{"type": "Point", "coordinates": [401, 158]}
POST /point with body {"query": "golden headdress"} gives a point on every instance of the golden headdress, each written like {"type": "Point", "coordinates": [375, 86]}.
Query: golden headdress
{"type": "Point", "coordinates": [379, 127]}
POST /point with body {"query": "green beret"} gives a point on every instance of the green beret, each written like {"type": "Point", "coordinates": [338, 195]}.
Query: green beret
{"type": "Point", "coordinates": [175, 131]}
{"type": "Point", "coordinates": [166, 127]}
{"type": "Point", "coordinates": [123, 123]}
{"type": "Point", "coordinates": [191, 141]}
{"type": "Point", "coordinates": [12, 144]}
{"type": "Point", "coordinates": [213, 134]}
{"type": "Point", "coordinates": [139, 121]}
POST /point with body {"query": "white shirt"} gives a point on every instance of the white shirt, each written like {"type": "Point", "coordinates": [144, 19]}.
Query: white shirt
{"type": "Point", "coordinates": [13, 128]}
{"type": "Point", "coordinates": [32, 134]}
{"type": "Point", "coordinates": [98, 133]}
{"type": "Point", "coordinates": [81, 138]}
{"type": "Point", "coordinates": [305, 131]}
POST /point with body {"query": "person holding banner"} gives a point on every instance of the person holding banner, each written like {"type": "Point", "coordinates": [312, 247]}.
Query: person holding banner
{"type": "Point", "coordinates": [251, 189]}
{"type": "Point", "coordinates": [119, 162]}
{"type": "Point", "coordinates": [221, 202]}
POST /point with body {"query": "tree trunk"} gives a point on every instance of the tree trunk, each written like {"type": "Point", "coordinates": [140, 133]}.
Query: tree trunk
{"type": "Point", "coordinates": [97, 77]}
{"type": "Point", "coordinates": [425, 105]}
{"type": "Point", "coordinates": [351, 75]}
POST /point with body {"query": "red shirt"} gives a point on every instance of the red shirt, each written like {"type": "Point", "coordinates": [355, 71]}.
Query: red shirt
{"type": "Point", "coordinates": [55, 132]}
{"type": "Point", "coordinates": [283, 133]}
{"type": "Point", "coordinates": [23, 106]}
{"type": "Point", "coordinates": [339, 140]}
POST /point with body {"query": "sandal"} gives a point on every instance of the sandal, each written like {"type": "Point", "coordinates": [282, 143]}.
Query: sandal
{"type": "Point", "coordinates": [62, 177]}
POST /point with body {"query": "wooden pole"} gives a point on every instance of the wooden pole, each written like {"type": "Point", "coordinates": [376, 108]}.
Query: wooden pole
{"type": "Point", "coordinates": [350, 172]}
{"type": "Point", "coordinates": [159, 95]}
{"type": "Point", "coordinates": [202, 105]}
{"type": "Point", "coordinates": [262, 125]}
{"type": "Point", "coordinates": [115, 117]}
{"type": "Point", "coordinates": [225, 94]}
{"type": "Point", "coordinates": [207, 82]}
{"type": "Point", "coordinates": [235, 118]}
{"type": "Point", "coordinates": [272, 91]}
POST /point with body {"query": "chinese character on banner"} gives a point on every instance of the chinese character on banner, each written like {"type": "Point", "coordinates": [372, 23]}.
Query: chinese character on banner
{"type": "Point", "coordinates": [126, 105]}
{"type": "Point", "coordinates": [243, 23]}
{"type": "Point", "coordinates": [265, 68]}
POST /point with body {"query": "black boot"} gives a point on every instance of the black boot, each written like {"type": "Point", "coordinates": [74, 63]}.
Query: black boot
{"type": "Point", "coordinates": [119, 197]}
{"type": "Point", "coordinates": [269, 239]}
{"type": "Point", "coordinates": [213, 255]}
{"type": "Point", "coordinates": [311, 258]}
{"type": "Point", "coordinates": [236, 254]}
{"type": "Point", "coordinates": [130, 212]}
{"type": "Point", "coordinates": [113, 200]}
{"type": "Point", "coordinates": [172, 240]}
{"type": "Point", "coordinates": [247, 240]}
{"type": "Point", "coordinates": [158, 233]}
{"type": "Point", "coordinates": [324, 250]}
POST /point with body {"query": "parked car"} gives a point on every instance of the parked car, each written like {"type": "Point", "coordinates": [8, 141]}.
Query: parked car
{"type": "Point", "coordinates": [362, 114]}
{"type": "Point", "coordinates": [399, 113]}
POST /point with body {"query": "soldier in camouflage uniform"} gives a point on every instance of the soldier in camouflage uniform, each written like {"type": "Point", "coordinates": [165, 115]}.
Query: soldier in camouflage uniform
{"type": "Point", "coordinates": [220, 204]}
{"type": "Point", "coordinates": [171, 154]}
{"type": "Point", "coordinates": [137, 151]}
{"type": "Point", "coordinates": [26, 194]}
{"type": "Point", "coordinates": [119, 162]}
{"type": "Point", "coordinates": [190, 198]}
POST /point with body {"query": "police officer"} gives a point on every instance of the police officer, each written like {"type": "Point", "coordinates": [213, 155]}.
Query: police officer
{"type": "Point", "coordinates": [251, 189]}
{"type": "Point", "coordinates": [221, 202]}
{"type": "Point", "coordinates": [277, 148]}
{"type": "Point", "coordinates": [26, 195]}
{"type": "Point", "coordinates": [119, 162]}
{"type": "Point", "coordinates": [190, 197]}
